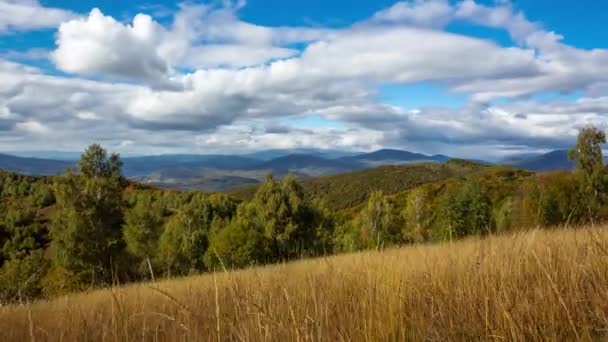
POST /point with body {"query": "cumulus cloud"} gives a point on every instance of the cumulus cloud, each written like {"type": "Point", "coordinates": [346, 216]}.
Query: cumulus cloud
{"type": "Point", "coordinates": [25, 15]}
{"type": "Point", "coordinates": [198, 82]}
{"type": "Point", "coordinates": [99, 45]}
{"type": "Point", "coordinates": [201, 36]}
{"type": "Point", "coordinates": [430, 13]}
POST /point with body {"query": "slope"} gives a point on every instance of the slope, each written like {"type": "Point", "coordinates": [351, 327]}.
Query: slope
{"type": "Point", "coordinates": [351, 189]}
{"type": "Point", "coordinates": [33, 166]}
{"type": "Point", "coordinates": [528, 286]}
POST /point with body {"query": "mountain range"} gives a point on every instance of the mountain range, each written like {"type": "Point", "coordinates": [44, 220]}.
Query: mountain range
{"type": "Point", "coordinates": [216, 172]}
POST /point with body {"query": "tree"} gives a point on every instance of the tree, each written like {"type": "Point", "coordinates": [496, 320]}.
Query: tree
{"type": "Point", "coordinates": [86, 231]}
{"type": "Point", "coordinates": [142, 229]}
{"type": "Point", "coordinates": [587, 153]}
{"type": "Point", "coordinates": [95, 163]}
{"type": "Point", "coordinates": [279, 223]}
{"type": "Point", "coordinates": [468, 210]}
{"type": "Point", "coordinates": [236, 245]}
{"type": "Point", "coordinates": [561, 202]}
{"type": "Point", "coordinates": [415, 215]}
{"type": "Point", "coordinates": [281, 213]}
{"type": "Point", "coordinates": [183, 243]}
{"type": "Point", "coordinates": [379, 222]}
{"type": "Point", "coordinates": [22, 233]}
{"type": "Point", "coordinates": [185, 238]}
{"type": "Point", "coordinates": [21, 279]}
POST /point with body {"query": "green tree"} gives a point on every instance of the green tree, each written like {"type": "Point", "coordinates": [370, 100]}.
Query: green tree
{"type": "Point", "coordinates": [237, 244]}
{"type": "Point", "coordinates": [142, 229]}
{"type": "Point", "coordinates": [587, 153]}
{"type": "Point", "coordinates": [279, 223]}
{"type": "Point", "coordinates": [561, 202]}
{"type": "Point", "coordinates": [21, 279]}
{"type": "Point", "coordinates": [379, 222]}
{"type": "Point", "coordinates": [86, 231]}
{"type": "Point", "coordinates": [186, 235]}
{"type": "Point", "coordinates": [95, 163]}
{"type": "Point", "coordinates": [415, 214]}
{"type": "Point", "coordinates": [467, 211]}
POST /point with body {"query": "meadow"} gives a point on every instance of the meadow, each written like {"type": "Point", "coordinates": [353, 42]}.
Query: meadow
{"type": "Point", "coordinates": [534, 285]}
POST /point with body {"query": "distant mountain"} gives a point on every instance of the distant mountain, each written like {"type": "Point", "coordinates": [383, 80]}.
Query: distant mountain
{"type": "Point", "coordinates": [308, 164]}
{"type": "Point", "coordinates": [33, 166]}
{"type": "Point", "coordinates": [54, 155]}
{"type": "Point", "coordinates": [554, 160]}
{"type": "Point", "coordinates": [267, 155]}
{"type": "Point", "coordinates": [394, 157]}
{"type": "Point", "coordinates": [215, 172]}
{"type": "Point", "coordinates": [517, 158]}
{"type": "Point", "coordinates": [137, 166]}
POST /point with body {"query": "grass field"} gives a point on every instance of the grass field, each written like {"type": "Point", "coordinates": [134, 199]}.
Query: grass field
{"type": "Point", "coordinates": [539, 285]}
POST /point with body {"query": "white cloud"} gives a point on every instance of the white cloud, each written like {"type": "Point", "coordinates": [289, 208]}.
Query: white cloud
{"type": "Point", "coordinates": [34, 127]}
{"type": "Point", "coordinates": [240, 71]}
{"type": "Point", "coordinates": [87, 115]}
{"type": "Point", "coordinates": [234, 56]}
{"type": "Point", "coordinates": [31, 54]}
{"type": "Point", "coordinates": [244, 137]}
{"type": "Point", "coordinates": [101, 45]}
{"type": "Point", "coordinates": [126, 143]}
{"type": "Point", "coordinates": [430, 13]}
{"type": "Point", "coordinates": [405, 55]}
{"type": "Point", "coordinates": [201, 36]}
{"type": "Point", "coordinates": [25, 15]}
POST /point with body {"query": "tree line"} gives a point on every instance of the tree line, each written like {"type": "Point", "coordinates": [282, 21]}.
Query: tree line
{"type": "Point", "coordinates": [94, 228]}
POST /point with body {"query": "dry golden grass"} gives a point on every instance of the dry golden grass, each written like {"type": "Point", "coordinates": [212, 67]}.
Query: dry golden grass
{"type": "Point", "coordinates": [540, 285]}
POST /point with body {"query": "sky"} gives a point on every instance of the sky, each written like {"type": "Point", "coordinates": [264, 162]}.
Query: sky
{"type": "Point", "coordinates": [466, 78]}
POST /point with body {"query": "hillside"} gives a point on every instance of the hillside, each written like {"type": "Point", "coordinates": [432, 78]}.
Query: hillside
{"type": "Point", "coordinates": [306, 164]}
{"type": "Point", "coordinates": [137, 166]}
{"type": "Point", "coordinates": [33, 166]}
{"type": "Point", "coordinates": [554, 160]}
{"type": "Point", "coordinates": [529, 286]}
{"type": "Point", "coordinates": [351, 189]}
{"type": "Point", "coordinates": [393, 157]}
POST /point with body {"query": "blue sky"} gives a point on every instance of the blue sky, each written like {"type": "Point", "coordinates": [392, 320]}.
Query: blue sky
{"type": "Point", "coordinates": [470, 78]}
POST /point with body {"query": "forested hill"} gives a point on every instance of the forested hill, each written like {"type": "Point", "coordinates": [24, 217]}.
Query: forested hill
{"type": "Point", "coordinates": [348, 190]}
{"type": "Point", "coordinates": [93, 228]}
